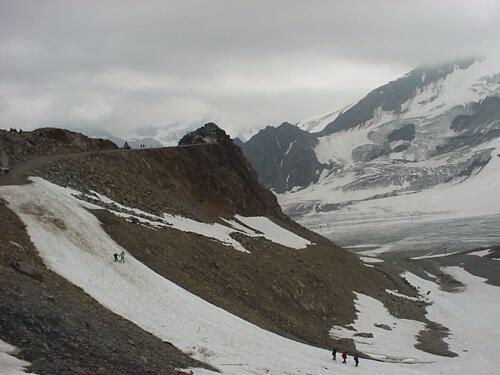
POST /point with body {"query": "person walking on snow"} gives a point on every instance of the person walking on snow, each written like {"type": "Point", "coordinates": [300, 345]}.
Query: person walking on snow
{"type": "Point", "coordinates": [334, 354]}
{"type": "Point", "coordinates": [122, 257]}
{"type": "Point", "coordinates": [356, 359]}
{"type": "Point", "coordinates": [115, 255]}
{"type": "Point", "coordinates": [344, 357]}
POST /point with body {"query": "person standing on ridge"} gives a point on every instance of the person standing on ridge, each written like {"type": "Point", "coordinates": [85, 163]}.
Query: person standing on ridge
{"type": "Point", "coordinates": [122, 257]}
{"type": "Point", "coordinates": [344, 357]}
{"type": "Point", "coordinates": [356, 359]}
{"type": "Point", "coordinates": [115, 255]}
{"type": "Point", "coordinates": [334, 354]}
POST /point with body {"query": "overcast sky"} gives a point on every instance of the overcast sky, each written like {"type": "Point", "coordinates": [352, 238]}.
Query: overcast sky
{"type": "Point", "coordinates": [144, 67]}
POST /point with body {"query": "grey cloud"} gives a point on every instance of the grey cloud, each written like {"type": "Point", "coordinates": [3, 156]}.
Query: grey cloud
{"type": "Point", "coordinates": [134, 66]}
{"type": "Point", "coordinates": [146, 131]}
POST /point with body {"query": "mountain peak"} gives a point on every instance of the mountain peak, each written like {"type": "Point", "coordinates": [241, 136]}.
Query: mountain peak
{"type": "Point", "coordinates": [394, 97]}
{"type": "Point", "coordinates": [208, 133]}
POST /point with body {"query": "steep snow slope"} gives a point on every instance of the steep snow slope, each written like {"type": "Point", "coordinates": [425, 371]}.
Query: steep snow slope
{"type": "Point", "coordinates": [317, 123]}
{"type": "Point", "coordinates": [72, 243]}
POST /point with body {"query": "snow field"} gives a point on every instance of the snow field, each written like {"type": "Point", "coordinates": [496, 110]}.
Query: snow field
{"type": "Point", "coordinates": [473, 318]}
{"type": "Point", "coordinates": [339, 146]}
{"type": "Point", "coordinates": [10, 365]}
{"type": "Point", "coordinates": [395, 343]}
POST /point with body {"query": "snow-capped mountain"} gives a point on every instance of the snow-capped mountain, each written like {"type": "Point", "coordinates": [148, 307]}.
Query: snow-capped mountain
{"type": "Point", "coordinates": [317, 123]}
{"type": "Point", "coordinates": [437, 127]}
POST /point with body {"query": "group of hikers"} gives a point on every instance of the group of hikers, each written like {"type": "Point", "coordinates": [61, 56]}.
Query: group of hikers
{"type": "Point", "coordinates": [119, 258]}
{"type": "Point", "coordinates": [344, 357]}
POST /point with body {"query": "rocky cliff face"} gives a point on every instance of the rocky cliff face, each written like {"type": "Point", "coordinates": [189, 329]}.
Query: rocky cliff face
{"type": "Point", "coordinates": [284, 157]}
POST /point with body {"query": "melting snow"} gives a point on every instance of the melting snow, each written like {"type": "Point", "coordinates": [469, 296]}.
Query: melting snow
{"type": "Point", "coordinates": [383, 344]}
{"type": "Point", "coordinates": [339, 146]}
{"type": "Point", "coordinates": [436, 255]}
{"type": "Point", "coordinates": [274, 232]}
{"type": "Point", "coordinates": [371, 260]}
{"type": "Point", "coordinates": [481, 253]}
{"type": "Point", "coordinates": [263, 227]}
{"type": "Point", "coordinates": [10, 365]}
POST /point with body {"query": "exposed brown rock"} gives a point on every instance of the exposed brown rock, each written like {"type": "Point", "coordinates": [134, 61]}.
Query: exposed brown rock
{"type": "Point", "coordinates": [27, 270]}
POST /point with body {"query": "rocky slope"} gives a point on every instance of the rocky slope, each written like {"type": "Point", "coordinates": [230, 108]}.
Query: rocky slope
{"type": "Point", "coordinates": [299, 293]}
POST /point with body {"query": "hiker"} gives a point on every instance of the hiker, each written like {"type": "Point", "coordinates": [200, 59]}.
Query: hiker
{"type": "Point", "coordinates": [344, 357]}
{"type": "Point", "coordinates": [356, 359]}
{"type": "Point", "coordinates": [122, 257]}
{"type": "Point", "coordinates": [334, 354]}
{"type": "Point", "coordinates": [116, 257]}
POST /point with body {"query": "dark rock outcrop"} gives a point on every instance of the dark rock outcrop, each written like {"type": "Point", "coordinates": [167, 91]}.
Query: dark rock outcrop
{"type": "Point", "coordinates": [208, 133]}
{"type": "Point", "coordinates": [284, 157]}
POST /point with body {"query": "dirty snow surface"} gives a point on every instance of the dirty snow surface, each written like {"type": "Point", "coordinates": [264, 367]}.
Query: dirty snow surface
{"type": "Point", "coordinates": [10, 365]}
{"type": "Point", "coordinates": [253, 226]}
{"type": "Point", "coordinates": [72, 243]}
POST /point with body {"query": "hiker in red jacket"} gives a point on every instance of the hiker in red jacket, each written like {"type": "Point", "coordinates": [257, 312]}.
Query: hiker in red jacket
{"type": "Point", "coordinates": [344, 357]}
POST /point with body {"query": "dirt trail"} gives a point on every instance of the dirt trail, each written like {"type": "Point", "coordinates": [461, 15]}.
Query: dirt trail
{"type": "Point", "coordinates": [19, 174]}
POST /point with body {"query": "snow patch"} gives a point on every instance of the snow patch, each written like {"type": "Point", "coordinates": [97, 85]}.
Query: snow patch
{"type": "Point", "coordinates": [10, 365]}
{"type": "Point", "coordinates": [481, 253]}
{"type": "Point", "coordinates": [338, 147]}
{"type": "Point", "coordinates": [428, 256]}
{"type": "Point", "coordinates": [274, 232]}
{"type": "Point", "coordinates": [318, 123]}
{"type": "Point", "coordinates": [394, 341]}
{"type": "Point", "coordinates": [371, 260]}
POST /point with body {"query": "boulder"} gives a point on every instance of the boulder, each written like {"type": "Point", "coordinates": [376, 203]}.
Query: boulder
{"type": "Point", "coordinates": [27, 270]}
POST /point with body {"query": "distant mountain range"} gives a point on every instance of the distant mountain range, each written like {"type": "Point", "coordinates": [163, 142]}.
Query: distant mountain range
{"type": "Point", "coordinates": [435, 126]}
{"type": "Point", "coordinates": [148, 142]}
